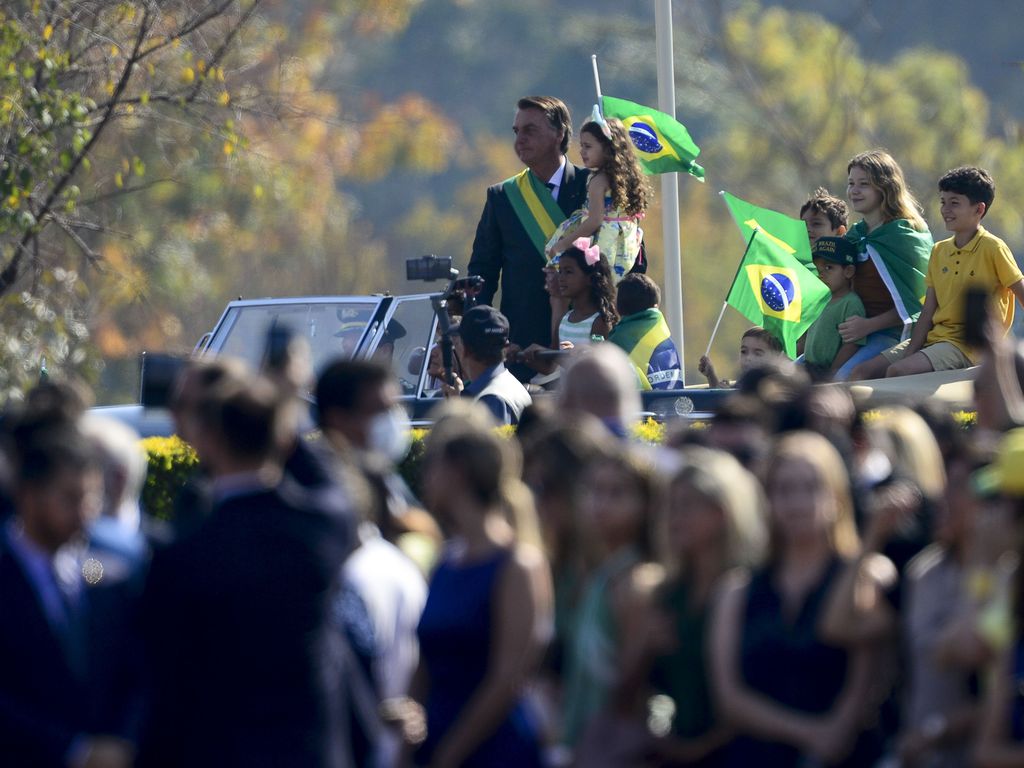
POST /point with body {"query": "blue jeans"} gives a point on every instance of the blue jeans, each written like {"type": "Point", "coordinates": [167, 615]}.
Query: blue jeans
{"type": "Point", "coordinates": [874, 344]}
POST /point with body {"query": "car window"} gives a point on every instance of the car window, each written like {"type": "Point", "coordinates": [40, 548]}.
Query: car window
{"type": "Point", "coordinates": [405, 339]}
{"type": "Point", "coordinates": [332, 329]}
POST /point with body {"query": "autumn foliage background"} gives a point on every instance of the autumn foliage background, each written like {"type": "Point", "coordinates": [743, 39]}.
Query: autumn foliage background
{"type": "Point", "coordinates": [159, 159]}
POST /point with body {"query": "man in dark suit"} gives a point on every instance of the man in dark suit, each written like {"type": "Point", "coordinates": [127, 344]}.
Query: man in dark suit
{"type": "Point", "coordinates": [69, 675]}
{"type": "Point", "coordinates": [520, 215]}
{"type": "Point", "coordinates": [247, 668]}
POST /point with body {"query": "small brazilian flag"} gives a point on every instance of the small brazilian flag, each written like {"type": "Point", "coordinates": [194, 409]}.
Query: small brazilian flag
{"type": "Point", "coordinates": [775, 286]}
{"type": "Point", "coordinates": [662, 144]}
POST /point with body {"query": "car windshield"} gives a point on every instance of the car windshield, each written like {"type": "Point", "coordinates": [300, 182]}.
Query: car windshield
{"type": "Point", "coordinates": [333, 329]}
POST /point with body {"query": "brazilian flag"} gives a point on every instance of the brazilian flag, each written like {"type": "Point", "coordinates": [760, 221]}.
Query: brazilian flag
{"type": "Point", "coordinates": [662, 144]}
{"type": "Point", "coordinates": [775, 286]}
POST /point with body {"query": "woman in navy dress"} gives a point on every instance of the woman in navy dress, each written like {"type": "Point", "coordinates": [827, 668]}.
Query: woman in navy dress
{"type": "Point", "coordinates": [488, 613]}
{"type": "Point", "coordinates": [791, 694]}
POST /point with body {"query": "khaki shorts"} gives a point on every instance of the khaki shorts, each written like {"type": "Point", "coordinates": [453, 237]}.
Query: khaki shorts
{"type": "Point", "coordinates": [943, 355]}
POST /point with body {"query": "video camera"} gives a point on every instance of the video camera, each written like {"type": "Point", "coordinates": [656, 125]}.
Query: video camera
{"type": "Point", "coordinates": [430, 268]}
{"type": "Point", "coordinates": [462, 292]}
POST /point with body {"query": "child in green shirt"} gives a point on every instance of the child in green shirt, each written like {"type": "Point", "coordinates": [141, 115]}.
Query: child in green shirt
{"type": "Point", "coordinates": [824, 349]}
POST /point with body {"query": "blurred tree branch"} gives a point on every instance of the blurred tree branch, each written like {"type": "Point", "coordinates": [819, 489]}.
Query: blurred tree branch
{"type": "Point", "coordinates": [66, 80]}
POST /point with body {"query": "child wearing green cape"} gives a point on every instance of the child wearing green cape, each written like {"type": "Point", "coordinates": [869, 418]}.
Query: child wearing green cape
{"type": "Point", "coordinates": [894, 245]}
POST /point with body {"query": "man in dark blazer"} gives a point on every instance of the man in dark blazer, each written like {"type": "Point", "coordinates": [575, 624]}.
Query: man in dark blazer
{"type": "Point", "coordinates": [69, 666]}
{"type": "Point", "coordinates": [510, 238]}
{"type": "Point", "coordinates": [247, 667]}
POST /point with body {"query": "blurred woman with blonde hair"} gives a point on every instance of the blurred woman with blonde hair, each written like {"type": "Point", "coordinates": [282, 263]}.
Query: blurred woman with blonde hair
{"type": "Point", "coordinates": [901, 511]}
{"type": "Point", "coordinates": [787, 691]}
{"type": "Point", "coordinates": [619, 507]}
{"type": "Point", "coordinates": [715, 516]}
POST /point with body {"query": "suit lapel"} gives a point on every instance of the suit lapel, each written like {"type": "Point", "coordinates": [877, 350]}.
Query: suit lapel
{"type": "Point", "coordinates": [19, 599]}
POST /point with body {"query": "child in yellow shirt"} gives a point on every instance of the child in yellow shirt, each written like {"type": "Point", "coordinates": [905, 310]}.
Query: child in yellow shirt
{"type": "Point", "coordinates": [971, 259]}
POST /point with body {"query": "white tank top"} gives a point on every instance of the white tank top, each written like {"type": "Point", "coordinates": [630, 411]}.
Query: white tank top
{"type": "Point", "coordinates": [578, 333]}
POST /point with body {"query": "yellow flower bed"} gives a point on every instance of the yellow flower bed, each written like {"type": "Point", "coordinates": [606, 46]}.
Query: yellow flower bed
{"type": "Point", "coordinates": [172, 462]}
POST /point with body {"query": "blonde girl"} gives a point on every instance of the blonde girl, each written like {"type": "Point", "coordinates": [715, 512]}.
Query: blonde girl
{"type": "Point", "coordinates": [894, 245]}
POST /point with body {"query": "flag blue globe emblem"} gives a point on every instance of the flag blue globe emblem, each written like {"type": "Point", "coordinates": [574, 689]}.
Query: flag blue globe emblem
{"type": "Point", "coordinates": [778, 291]}
{"type": "Point", "coordinates": [645, 138]}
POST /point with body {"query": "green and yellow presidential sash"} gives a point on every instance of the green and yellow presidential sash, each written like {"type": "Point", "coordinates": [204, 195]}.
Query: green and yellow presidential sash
{"type": "Point", "coordinates": [534, 206]}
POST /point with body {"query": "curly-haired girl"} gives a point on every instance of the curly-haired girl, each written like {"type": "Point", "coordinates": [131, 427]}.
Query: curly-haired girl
{"type": "Point", "coordinates": [617, 197]}
{"type": "Point", "coordinates": [584, 283]}
{"type": "Point", "coordinates": [584, 278]}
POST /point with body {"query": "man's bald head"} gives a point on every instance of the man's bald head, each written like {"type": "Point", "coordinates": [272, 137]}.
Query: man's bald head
{"type": "Point", "coordinates": [602, 382]}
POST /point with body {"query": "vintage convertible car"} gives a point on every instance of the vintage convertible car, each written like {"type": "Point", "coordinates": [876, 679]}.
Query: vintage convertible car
{"type": "Point", "coordinates": [398, 327]}
{"type": "Point", "coordinates": [400, 330]}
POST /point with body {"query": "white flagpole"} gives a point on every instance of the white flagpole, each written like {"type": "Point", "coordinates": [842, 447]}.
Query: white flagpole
{"type": "Point", "coordinates": [725, 303]}
{"type": "Point", "coordinates": [714, 333]}
{"type": "Point", "coordinates": [672, 295]}
{"type": "Point", "coordinates": [597, 80]}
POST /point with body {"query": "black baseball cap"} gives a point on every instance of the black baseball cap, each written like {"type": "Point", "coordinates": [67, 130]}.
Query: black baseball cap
{"type": "Point", "coordinates": [835, 249]}
{"type": "Point", "coordinates": [483, 328]}
{"type": "Point", "coordinates": [393, 332]}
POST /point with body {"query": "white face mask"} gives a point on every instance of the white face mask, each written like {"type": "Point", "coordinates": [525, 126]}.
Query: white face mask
{"type": "Point", "coordinates": [390, 433]}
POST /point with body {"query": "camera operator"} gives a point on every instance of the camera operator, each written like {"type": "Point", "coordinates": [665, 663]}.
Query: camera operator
{"type": "Point", "coordinates": [484, 334]}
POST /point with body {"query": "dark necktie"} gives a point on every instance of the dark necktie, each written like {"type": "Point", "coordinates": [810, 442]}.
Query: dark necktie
{"type": "Point", "coordinates": [552, 186]}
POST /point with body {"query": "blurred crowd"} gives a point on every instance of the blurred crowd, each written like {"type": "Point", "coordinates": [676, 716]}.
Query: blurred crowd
{"type": "Point", "coordinates": [803, 581]}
